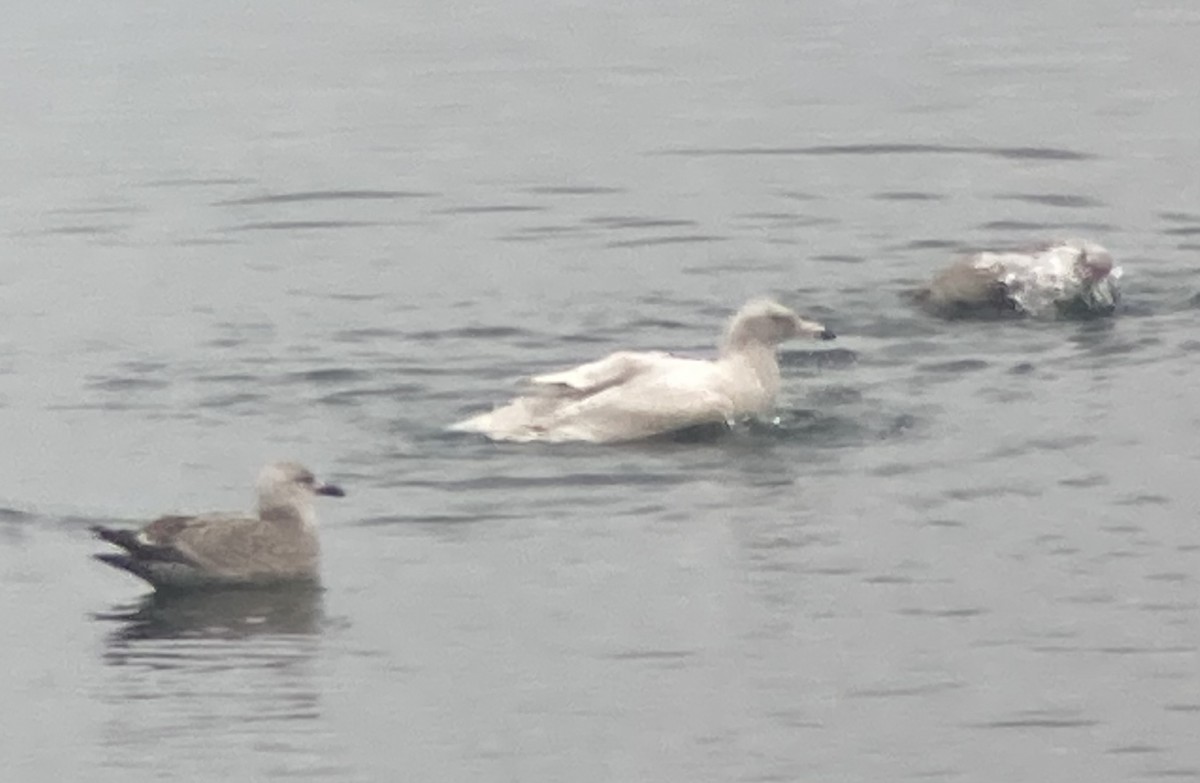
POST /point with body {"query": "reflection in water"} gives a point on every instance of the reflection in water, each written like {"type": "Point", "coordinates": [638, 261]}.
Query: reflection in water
{"type": "Point", "coordinates": [193, 672]}
{"type": "Point", "coordinates": [223, 614]}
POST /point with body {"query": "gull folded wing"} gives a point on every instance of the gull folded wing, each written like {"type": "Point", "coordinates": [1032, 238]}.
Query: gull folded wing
{"type": "Point", "coordinates": [587, 379]}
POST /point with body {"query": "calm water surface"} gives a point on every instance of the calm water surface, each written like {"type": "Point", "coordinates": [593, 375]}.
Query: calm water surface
{"type": "Point", "coordinates": [962, 552]}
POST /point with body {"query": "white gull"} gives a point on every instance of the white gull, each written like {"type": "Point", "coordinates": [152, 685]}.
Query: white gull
{"type": "Point", "coordinates": [630, 395]}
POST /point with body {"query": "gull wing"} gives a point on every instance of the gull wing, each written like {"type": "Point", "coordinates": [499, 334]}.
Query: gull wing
{"type": "Point", "coordinates": [663, 396]}
{"type": "Point", "coordinates": [150, 543]}
{"type": "Point", "coordinates": [211, 547]}
{"type": "Point", "coordinates": [625, 396]}
{"type": "Point", "coordinates": [594, 377]}
{"type": "Point", "coordinates": [149, 557]}
{"type": "Point", "coordinates": [240, 546]}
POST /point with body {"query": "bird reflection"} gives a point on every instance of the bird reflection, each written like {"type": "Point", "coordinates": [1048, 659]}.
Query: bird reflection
{"type": "Point", "coordinates": [233, 669]}
{"type": "Point", "coordinates": [294, 610]}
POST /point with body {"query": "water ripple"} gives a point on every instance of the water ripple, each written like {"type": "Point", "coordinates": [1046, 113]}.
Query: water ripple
{"type": "Point", "coordinates": [325, 195]}
{"type": "Point", "coordinates": [639, 222]}
{"type": "Point", "coordinates": [650, 241]}
{"type": "Point", "coordinates": [490, 209]}
{"type": "Point", "coordinates": [329, 375]}
{"type": "Point", "coordinates": [1039, 721]}
{"type": "Point", "coordinates": [574, 190]}
{"type": "Point", "coordinates": [1052, 200]}
{"type": "Point", "coordinates": [1007, 153]}
{"type": "Point", "coordinates": [907, 195]}
{"type": "Point", "coordinates": [300, 225]}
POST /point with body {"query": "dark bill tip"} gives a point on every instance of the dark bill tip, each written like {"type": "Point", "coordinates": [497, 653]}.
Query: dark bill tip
{"type": "Point", "coordinates": [827, 335]}
{"type": "Point", "coordinates": [332, 490]}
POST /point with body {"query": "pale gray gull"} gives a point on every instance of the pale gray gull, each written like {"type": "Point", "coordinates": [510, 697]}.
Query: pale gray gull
{"type": "Point", "coordinates": [279, 544]}
{"type": "Point", "coordinates": [631, 395]}
{"type": "Point", "coordinates": [1072, 277]}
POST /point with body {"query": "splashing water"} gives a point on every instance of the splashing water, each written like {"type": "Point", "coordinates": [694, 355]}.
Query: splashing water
{"type": "Point", "coordinates": [1054, 280]}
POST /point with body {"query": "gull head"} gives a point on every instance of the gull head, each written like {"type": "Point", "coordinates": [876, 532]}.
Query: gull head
{"type": "Point", "coordinates": [1091, 284]}
{"type": "Point", "coordinates": [767, 322]}
{"type": "Point", "coordinates": [284, 485]}
{"type": "Point", "coordinates": [1093, 262]}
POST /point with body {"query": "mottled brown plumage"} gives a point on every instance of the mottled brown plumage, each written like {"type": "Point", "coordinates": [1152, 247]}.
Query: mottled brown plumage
{"type": "Point", "coordinates": [278, 544]}
{"type": "Point", "coordinates": [963, 290]}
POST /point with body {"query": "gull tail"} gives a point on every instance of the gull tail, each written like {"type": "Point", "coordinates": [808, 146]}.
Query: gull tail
{"type": "Point", "coordinates": [523, 420]}
{"type": "Point", "coordinates": [161, 566]}
{"type": "Point", "coordinates": [126, 539]}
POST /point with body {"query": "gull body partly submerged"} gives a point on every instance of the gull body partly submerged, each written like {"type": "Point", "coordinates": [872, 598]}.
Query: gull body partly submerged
{"type": "Point", "coordinates": [1072, 277]}
{"type": "Point", "coordinates": [279, 544]}
{"type": "Point", "coordinates": [630, 395]}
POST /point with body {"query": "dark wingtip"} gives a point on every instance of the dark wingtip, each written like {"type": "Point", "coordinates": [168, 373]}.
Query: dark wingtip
{"type": "Point", "coordinates": [828, 335]}
{"type": "Point", "coordinates": [123, 562]}
{"type": "Point", "coordinates": [126, 563]}
{"type": "Point", "coordinates": [111, 535]}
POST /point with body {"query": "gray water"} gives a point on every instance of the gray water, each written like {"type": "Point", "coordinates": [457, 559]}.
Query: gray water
{"type": "Point", "coordinates": [236, 232]}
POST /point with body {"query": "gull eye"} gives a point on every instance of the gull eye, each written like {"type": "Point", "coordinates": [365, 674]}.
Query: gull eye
{"type": "Point", "coordinates": [306, 479]}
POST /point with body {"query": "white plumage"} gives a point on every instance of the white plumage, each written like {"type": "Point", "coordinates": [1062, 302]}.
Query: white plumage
{"type": "Point", "coordinates": [630, 395]}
